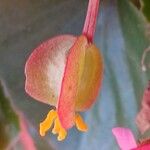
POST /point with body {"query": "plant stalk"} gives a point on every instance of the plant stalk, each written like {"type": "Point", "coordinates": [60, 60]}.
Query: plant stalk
{"type": "Point", "coordinates": [91, 19]}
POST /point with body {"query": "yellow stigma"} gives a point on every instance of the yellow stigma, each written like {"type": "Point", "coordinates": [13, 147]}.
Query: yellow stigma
{"type": "Point", "coordinates": [80, 124]}
{"type": "Point", "coordinates": [58, 129]}
{"type": "Point", "coordinates": [52, 117]}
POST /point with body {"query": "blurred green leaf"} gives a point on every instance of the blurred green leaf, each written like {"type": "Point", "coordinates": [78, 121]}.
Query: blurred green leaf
{"type": "Point", "coordinates": [146, 8]}
{"type": "Point", "coordinates": [9, 123]}
{"type": "Point", "coordinates": [136, 3]}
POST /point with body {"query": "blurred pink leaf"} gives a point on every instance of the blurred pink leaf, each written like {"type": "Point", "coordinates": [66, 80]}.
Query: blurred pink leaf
{"type": "Point", "coordinates": [25, 137]}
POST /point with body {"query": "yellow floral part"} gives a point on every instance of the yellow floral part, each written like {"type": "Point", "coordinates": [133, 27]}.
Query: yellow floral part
{"type": "Point", "coordinates": [52, 117]}
{"type": "Point", "coordinates": [47, 123]}
{"type": "Point", "coordinates": [58, 129]}
{"type": "Point", "coordinates": [80, 124]}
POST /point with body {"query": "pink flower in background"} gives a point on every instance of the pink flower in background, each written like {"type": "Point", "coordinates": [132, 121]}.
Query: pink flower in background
{"type": "Point", "coordinates": [66, 72]}
{"type": "Point", "coordinates": [126, 140]}
{"type": "Point", "coordinates": [143, 117]}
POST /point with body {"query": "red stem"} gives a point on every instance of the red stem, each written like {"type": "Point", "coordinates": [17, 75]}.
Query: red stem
{"type": "Point", "coordinates": [91, 19]}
